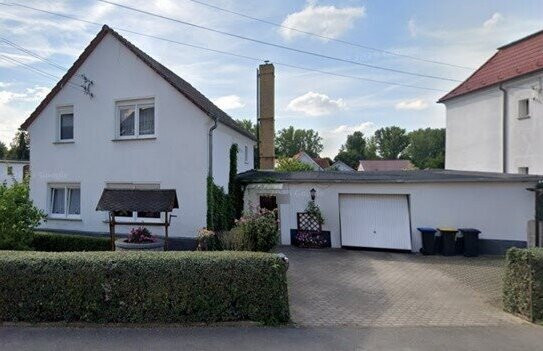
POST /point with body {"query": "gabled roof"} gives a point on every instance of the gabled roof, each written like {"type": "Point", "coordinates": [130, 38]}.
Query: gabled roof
{"type": "Point", "coordinates": [322, 162]}
{"type": "Point", "coordinates": [513, 60]}
{"type": "Point", "coordinates": [385, 165]}
{"type": "Point", "coordinates": [301, 154]}
{"type": "Point", "coordinates": [339, 163]}
{"type": "Point", "coordinates": [143, 200]}
{"type": "Point", "coordinates": [177, 82]}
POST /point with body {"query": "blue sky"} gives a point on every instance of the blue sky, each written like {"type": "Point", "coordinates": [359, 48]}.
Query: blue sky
{"type": "Point", "coordinates": [464, 33]}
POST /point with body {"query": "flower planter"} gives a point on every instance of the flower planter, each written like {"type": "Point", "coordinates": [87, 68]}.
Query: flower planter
{"type": "Point", "coordinates": [122, 245]}
{"type": "Point", "coordinates": [310, 239]}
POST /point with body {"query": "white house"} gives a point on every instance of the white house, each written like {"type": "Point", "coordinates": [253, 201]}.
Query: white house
{"type": "Point", "coordinates": [384, 209]}
{"type": "Point", "coordinates": [340, 166]}
{"type": "Point", "coordinates": [317, 163]}
{"type": "Point", "coordinates": [12, 170]}
{"type": "Point", "coordinates": [120, 119]}
{"type": "Point", "coordinates": [494, 118]}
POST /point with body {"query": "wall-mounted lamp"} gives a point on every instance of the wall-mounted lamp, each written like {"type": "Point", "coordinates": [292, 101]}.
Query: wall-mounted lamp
{"type": "Point", "coordinates": [313, 193]}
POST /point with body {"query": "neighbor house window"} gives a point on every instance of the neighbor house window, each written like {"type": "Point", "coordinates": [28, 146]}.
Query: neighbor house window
{"type": "Point", "coordinates": [523, 170]}
{"type": "Point", "coordinates": [10, 170]}
{"type": "Point", "coordinates": [524, 108]}
{"type": "Point", "coordinates": [136, 118]}
{"type": "Point", "coordinates": [66, 123]}
{"type": "Point", "coordinates": [65, 201]}
{"type": "Point", "coordinates": [135, 216]}
{"type": "Point", "coordinates": [246, 154]}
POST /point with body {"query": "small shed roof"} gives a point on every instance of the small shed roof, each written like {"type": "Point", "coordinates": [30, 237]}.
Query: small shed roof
{"type": "Point", "coordinates": [152, 200]}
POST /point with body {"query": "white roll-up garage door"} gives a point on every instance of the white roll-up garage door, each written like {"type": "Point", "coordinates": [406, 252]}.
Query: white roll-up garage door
{"type": "Point", "coordinates": [375, 221]}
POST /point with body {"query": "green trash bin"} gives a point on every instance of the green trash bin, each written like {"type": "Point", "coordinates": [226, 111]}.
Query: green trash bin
{"type": "Point", "coordinates": [448, 241]}
{"type": "Point", "coordinates": [471, 241]}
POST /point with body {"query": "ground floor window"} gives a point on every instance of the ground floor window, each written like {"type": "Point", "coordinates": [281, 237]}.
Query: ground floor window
{"type": "Point", "coordinates": [65, 201]}
{"type": "Point", "coordinates": [136, 216]}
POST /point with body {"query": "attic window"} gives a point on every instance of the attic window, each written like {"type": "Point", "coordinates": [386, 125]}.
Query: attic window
{"type": "Point", "coordinates": [65, 123]}
{"type": "Point", "coordinates": [135, 119]}
{"type": "Point", "coordinates": [524, 108]}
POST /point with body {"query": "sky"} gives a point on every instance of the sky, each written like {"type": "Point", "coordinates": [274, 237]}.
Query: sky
{"type": "Point", "coordinates": [452, 33]}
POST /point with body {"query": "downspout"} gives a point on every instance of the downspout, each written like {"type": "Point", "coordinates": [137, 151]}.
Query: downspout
{"type": "Point", "coordinates": [210, 140]}
{"type": "Point", "coordinates": [505, 141]}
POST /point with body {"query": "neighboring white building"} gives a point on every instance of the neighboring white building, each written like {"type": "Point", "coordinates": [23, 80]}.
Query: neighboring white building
{"type": "Point", "coordinates": [385, 165]}
{"type": "Point", "coordinates": [495, 117]}
{"type": "Point", "coordinates": [137, 125]}
{"type": "Point", "coordinates": [384, 209]}
{"type": "Point", "coordinates": [340, 166]}
{"type": "Point", "coordinates": [317, 163]}
{"type": "Point", "coordinates": [12, 170]}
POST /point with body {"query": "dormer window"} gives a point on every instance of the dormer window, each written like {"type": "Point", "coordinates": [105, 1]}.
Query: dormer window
{"type": "Point", "coordinates": [65, 124]}
{"type": "Point", "coordinates": [135, 119]}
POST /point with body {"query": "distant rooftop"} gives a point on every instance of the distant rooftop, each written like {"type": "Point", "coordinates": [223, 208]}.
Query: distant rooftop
{"type": "Point", "coordinates": [413, 176]}
{"type": "Point", "coordinates": [385, 165]}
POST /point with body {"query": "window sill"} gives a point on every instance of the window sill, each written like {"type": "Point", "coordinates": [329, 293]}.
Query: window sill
{"type": "Point", "coordinates": [134, 139]}
{"type": "Point", "coordinates": [64, 142]}
{"type": "Point", "coordinates": [523, 117]}
{"type": "Point", "coordinates": [64, 219]}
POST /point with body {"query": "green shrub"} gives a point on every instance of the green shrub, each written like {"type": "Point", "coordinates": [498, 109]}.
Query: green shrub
{"type": "Point", "coordinates": [231, 240]}
{"type": "Point", "coordinates": [54, 242]}
{"type": "Point", "coordinates": [18, 217]}
{"type": "Point", "coordinates": [143, 287]}
{"type": "Point", "coordinates": [258, 230]}
{"type": "Point", "coordinates": [523, 283]}
{"type": "Point", "coordinates": [208, 240]}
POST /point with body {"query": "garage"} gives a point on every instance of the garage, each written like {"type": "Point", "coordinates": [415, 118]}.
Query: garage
{"type": "Point", "coordinates": [375, 221]}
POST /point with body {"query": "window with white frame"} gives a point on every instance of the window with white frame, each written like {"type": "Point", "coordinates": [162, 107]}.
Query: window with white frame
{"type": "Point", "coordinates": [246, 154]}
{"type": "Point", "coordinates": [524, 108]}
{"type": "Point", "coordinates": [135, 216]}
{"type": "Point", "coordinates": [135, 119]}
{"type": "Point", "coordinates": [65, 123]}
{"type": "Point", "coordinates": [65, 201]}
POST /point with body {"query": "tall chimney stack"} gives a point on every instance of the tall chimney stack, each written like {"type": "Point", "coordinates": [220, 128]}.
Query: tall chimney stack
{"type": "Point", "coordinates": [266, 115]}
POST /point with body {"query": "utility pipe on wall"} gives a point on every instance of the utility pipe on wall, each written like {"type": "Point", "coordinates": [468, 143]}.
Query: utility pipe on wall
{"type": "Point", "coordinates": [505, 141]}
{"type": "Point", "coordinates": [210, 140]}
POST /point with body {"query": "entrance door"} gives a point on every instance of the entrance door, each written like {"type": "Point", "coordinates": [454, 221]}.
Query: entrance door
{"type": "Point", "coordinates": [375, 221]}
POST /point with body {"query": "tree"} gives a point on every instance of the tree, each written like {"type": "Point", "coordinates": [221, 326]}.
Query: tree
{"type": "Point", "coordinates": [427, 148]}
{"type": "Point", "coordinates": [371, 149]}
{"type": "Point", "coordinates": [353, 150]}
{"type": "Point", "coordinates": [289, 164]}
{"type": "Point", "coordinates": [3, 150]}
{"type": "Point", "coordinates": [20, 146]}
{"type": "Point", "coordinates": [248, 125]}
{"type": "Point", "coordinates": [290, 141]}
{"type": "Point", "coordinates": [391, 142]}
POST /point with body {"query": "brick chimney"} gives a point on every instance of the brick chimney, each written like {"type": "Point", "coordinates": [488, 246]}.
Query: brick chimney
{"type": "Point", "coordinates": [266, 115]}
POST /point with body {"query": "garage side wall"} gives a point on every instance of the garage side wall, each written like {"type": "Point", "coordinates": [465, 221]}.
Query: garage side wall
{"type": "Point", "coordinates": [500, 210]}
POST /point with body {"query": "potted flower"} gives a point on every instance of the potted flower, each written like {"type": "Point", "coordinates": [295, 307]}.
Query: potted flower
{"type": "Point", "coordinates": [139, 239]}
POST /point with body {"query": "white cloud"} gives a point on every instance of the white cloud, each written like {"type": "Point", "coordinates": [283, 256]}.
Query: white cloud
{"type": "Point", "coordinates": [333, 138]}
{"type": "Point", "coordinates": [315, 104]}
{"type": "Point", "coordinates": [328, 21]}
{"type": "Point", "coordinates": [493, 21]}
{"type": "Point", "coordinates": [412, 27]}
{"type": "Point", "coordinates": [415, 104]}
{"type": "Point", "coordinates": [229, 102]}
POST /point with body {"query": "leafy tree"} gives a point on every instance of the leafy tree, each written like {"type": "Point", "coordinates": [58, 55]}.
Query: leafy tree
{"type": "Point", "coordinates": [371, 149]}
{"type": "Point", "coordinates": [353, 150]}
{"type": "Point", "coordinates": [290, 141]}
{"type": "Point", "coordinates": [248, 125]}
{"type": "Point", "coordinates": [289, 164]}
{"type": "Point", "coordinates": [427, 148]}
{"type": "Point", "coordinates": [18, 217]}
{"type": "Point", "coordinates": [3, 150]}
{"type": "Point", "coordinates": [20, 146]}
{"type": "Point", "coordinates": [391, 142]}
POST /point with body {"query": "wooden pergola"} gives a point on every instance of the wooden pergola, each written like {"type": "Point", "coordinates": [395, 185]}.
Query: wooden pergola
{"type": "Point", "coordinates": [138, 200]}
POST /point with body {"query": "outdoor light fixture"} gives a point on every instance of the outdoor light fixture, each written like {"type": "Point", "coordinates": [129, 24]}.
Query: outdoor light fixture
{"type": "Point", "coordinates": [313, 193]}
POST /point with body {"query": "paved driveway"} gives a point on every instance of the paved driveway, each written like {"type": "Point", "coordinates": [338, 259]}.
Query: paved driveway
{"type": "Point", "coordinates": [366, 288]}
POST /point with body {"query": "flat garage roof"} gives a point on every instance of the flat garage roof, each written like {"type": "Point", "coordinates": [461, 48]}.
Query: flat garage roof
{"type": "Point", "coordinates": [412, 176]}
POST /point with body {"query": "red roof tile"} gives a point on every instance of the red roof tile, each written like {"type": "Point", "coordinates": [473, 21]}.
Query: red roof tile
{"type": "Point", "coordinates": [513, 60]}
{"type": "Point", "coordinates": [322, 162]}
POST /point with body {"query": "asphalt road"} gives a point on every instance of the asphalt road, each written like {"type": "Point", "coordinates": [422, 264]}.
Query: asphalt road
{"type": "Point", "coordinates": [518, 338]}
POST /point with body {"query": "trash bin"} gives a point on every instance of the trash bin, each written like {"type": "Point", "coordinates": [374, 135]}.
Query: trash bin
{"type": "Point", "coordinates": [428, 240]}
{"type": "Point", "coordinates": [471, 241]}
{"type": "Point", "coordinates": [448, 241]}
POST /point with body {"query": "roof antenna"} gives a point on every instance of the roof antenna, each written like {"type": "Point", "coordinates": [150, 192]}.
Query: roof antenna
{"type": "Point", "coordinates": [87, 83]}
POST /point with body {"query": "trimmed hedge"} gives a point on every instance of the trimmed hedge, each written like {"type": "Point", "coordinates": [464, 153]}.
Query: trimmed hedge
{"type": "Point", "coordinates": [523, 283]}
{"type": "Point", "coordinates": [143, 287]}
{"type": "Point", "coordinates": [54, 242]}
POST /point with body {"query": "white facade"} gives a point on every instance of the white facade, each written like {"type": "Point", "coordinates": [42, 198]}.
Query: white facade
{"type": "Point", "coordinates": [501, 210]}
{"type": "Point", "coordinates": [12, 170]}
{"type": "Point", "coordinates": [475, 137]}
{"type": "Point", "coordinates": [175, 157]}
{"type": "Point", "coordinates": [308, 160]}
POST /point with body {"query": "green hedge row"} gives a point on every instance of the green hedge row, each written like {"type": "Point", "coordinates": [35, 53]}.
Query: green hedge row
{"type": "Point", "coordinates": [523, 283]}
{"type": "Point", "coordinates": [143, 287]}
{"type": "Point", "coordinates": [55, 242]}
